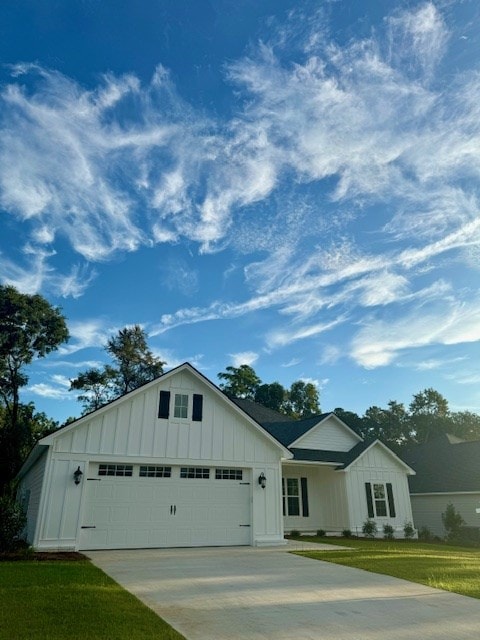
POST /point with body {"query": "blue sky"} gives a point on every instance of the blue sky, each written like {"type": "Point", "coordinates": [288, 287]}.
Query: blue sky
{"type": "Point", "coordinates": [290, 185]}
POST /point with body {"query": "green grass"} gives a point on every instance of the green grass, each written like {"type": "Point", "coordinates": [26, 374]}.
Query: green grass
{"type": "Point", "coordinates": [445, 567]}
{"type": "Point", "coordinates": [53, 600]}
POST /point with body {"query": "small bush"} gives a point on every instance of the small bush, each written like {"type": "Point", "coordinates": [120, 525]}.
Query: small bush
{"type": "Point", "coordinates": [369, 528]}
{"type": "Point", "coordinates": [467, 536]}
{"type": "Point", "coordinates": [321, 533]}
{"type": "Point", "coordinates": [12, 523]}
{"type": "Point", "coordinates": [388, 532]}
{"type": "Point", "coordinates": [295, 533]}
{"type": "Point", "coordinates": [408, 531]}
{"type": "Point", "coordinates": [425, 534]}
{"type": "Point", "coordinates": [452, 522]}
{"type": "Point", "coordinates": [346, 533]}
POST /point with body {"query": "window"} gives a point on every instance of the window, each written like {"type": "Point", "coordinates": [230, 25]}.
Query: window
{"type": "Point", "coordinates": [194, 472]}
{"type": "Point", "coordinates": [295, 497]}
{"type": "Point", "coordinates": [115, 470]}
{"type": "Point", "coordinates": [180, 409]}
{"type": "Point", "coordinates": [155, 472]}
{"type": "Point", "coordinates": [380, 501]}
{"type": "Point", "coordinates": [228, 474]}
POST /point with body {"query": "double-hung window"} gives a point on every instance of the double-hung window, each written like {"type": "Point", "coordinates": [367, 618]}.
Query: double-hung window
{"type": "Point", "coordinates": [380, 500]}
{"type": "Point", "coordinates": [295, 497]}
{"type": "Point", "coordinates": [180, 408]}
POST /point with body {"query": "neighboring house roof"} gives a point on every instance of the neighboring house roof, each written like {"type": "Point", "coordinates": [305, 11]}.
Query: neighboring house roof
{"type": "Point", "coordinates": [444, 466]}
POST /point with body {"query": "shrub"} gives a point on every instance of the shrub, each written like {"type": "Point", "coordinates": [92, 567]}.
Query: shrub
{"type": "Point", "coordinates": [12, 523]}
{"type": "Point", "coordinates": [321, 533]}
{"type": "Point", "coordinates": [452, 522]}
{"type": "Point", "coordinates": [346, 533]}
{"type": "Point", "coordinates": [295, 533]}
{"type": "Point", "coordinates": [408, 531]}
{"type": "Point", "coordinates": [425, 534]}
{"type": "Point", "coordinates": [369, 528]}
{"type": "Point", "coordinates": [388, 532]}
{"type": "Point", "coordinates": [467, 536]}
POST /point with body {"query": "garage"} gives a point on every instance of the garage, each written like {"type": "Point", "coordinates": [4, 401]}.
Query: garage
{"type": "Point", "coordinates": [132, 506]}
{"type": "Point", "coordinates": [174, 463]}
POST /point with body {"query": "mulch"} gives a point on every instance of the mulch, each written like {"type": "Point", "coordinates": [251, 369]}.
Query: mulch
{"type": "Point", "coordinates": [35, 556]}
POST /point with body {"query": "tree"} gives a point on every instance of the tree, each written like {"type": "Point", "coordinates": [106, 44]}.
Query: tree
{"type": "Point", "coordinates": [464, 424]}
{"type": "Point", "coordinates": [30, 328]}
{"type": "Point", "coordinates": [133, 365]}
{"type": "Point", "coordinates": [452, 522]}
{"type": "Point", "coordinates": [97, 387]}
{"type": "Point", "coordinates": [303, 400]}
{"type": "Point", "coordinates": [271, 395]}
{"type": "Point", "coordinates": [428, 414]}
{"type": "Point", "coordinates": [391, 425]}
{"type": "Point", "coordinates": [351, 419]}
{"type": "Point", "coordinates": [240, 382]}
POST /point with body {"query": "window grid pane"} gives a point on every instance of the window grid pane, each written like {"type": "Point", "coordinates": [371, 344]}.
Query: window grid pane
{"type": "Point", "coordinates": [180, 409]}
{"type": "Point", "coordinates": [380, 500]}
{"type": "Point", "coordinates": [228, 474]}
{"type": "Point", "coordinates": [291, 497]}
{"type": "Point", "coordinates": [195, 473]}
{"type": "Point", "coordinates": [119, 470]}
{"type": "Point", "coordinates": [155, 472]}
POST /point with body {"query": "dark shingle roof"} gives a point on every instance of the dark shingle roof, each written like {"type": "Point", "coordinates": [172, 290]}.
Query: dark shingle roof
{"type": "Point", "coordinates": [258, 412]}
{"type": "Point", "coordinates": [342, 458]}
{"type": "Point", "coordinates": [443, 466]}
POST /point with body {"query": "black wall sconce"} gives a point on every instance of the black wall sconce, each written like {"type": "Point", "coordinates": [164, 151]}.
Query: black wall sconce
{"type": "Point", "coordinates": [262, 481]}
{"type": "Point", "coordinates": [77, 475]}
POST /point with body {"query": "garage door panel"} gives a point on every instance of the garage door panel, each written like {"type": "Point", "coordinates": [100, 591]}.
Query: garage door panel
{"type": "Point", "coordinates": [135, 512]}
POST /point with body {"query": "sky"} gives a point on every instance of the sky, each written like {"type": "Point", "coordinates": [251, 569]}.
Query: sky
{"type": "Point", "coordinates": [290, 185]}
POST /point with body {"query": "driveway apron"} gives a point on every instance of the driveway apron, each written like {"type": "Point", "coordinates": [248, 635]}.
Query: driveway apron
{"type": "Point", "coordinates": [247, 593]}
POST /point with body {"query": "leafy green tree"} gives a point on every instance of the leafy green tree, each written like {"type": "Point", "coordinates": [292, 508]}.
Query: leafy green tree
{"type": "Point", "coordinates": [133, 365]}
{"type": "Point", "coordinates": [240, 382]}
{"type": "Point", "coordinates": [351, 419]}
{"type": "Point", "coordinates": [464, 424]}
{"type": "Point", "coordinates": [271, 395]}
{"type": "Point", "coordinates": [30, 328]}
{"type": "Point", "coordinates": [303, 400]}
{"type": "Point", "coordinates": [97, 388]}
{"type": "Point", "coordinates": [428, 414]}
{"type": "Point", "coordinates": [391, 425]}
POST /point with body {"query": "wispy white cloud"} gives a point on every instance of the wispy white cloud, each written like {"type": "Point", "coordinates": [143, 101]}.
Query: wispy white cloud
{"type": "Point", "coordinates": [57, 388]}
{"type": "Point", "coordinates": [243, 357]}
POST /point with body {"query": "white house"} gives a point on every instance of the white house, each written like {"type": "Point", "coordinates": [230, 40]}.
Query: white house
{"type": "Point", "coordinates": [177, 463]}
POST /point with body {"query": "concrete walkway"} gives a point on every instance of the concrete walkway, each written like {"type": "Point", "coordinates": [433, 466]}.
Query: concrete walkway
{"type": "Point", "coordinates": [247, 593]}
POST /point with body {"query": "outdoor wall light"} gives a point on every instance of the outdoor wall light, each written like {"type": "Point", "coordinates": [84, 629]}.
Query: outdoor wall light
{"type": "Point", "coordinates": [77, 475]}
{"type": "Point", "coordinates": [262, 481]}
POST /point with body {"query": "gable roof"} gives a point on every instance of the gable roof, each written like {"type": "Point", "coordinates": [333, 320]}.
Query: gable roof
{"type": "Point", "coordinates": [443, 466]}
{"type": "Point", "coordinates": [43, 444]}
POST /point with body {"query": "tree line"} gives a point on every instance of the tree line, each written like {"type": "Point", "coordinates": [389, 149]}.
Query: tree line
{"type": "Point", "coordinates": [30, 328]}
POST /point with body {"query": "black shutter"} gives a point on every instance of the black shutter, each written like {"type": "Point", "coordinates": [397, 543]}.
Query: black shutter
{"type": "Point", "coordinates": [164, 404]}
{"type": "Point", "coordinates": [197, 407]}
{"type": "Point", "coordinates": [368, 491]}
{"type": "Point", "coordinates": [305, 512]}
{"type": "Point", "coordinates": [391, 502]}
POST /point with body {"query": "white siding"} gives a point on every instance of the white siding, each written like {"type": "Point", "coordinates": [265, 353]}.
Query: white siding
{"type": "Point", "coordinates": [376, 465]}
{"type": "Point", "coordinates": [427, 510]}
{"type": "Point", "coordinates": [29, 493]}
{"type": "Point", "coordinates": [132, 429]}
{"type": "Point", "coordinates": [328, 506]}
{"type": "Point", "coordinates": [329, 435]}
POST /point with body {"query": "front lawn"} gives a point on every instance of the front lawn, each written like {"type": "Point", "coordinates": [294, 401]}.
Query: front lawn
{"type": "Point", "coordinates": [451, 568]}
{"type": "Point", "coordinates": [55, 600]}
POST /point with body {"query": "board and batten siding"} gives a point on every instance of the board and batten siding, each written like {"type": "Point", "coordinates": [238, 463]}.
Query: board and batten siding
{"type": "Point", "coordinates": [129, 430]}
{"type": "Point", "coordinates": [330, 435]}
{"type": "Point", "coordinates": [327, 499]}
{"type": "Point", "coordinates": [132, 429]}
{"type": "Point", "coordinates": [428, 508]}
{"type": "Point", "coordinates": [377, 466]}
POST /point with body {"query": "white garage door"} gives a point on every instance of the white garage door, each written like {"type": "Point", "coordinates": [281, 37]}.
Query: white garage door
{"type": "Point", "coordinates": [137, 506]}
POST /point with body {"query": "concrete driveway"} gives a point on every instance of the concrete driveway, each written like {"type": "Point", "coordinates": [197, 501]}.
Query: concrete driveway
{"type": "Point", "coordinates": [247, 593]}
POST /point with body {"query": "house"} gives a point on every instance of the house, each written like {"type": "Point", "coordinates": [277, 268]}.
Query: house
{"type": "Point", "coordinates": [448, 471]}
{"type": "Point", "coordinates": [177, 463]}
